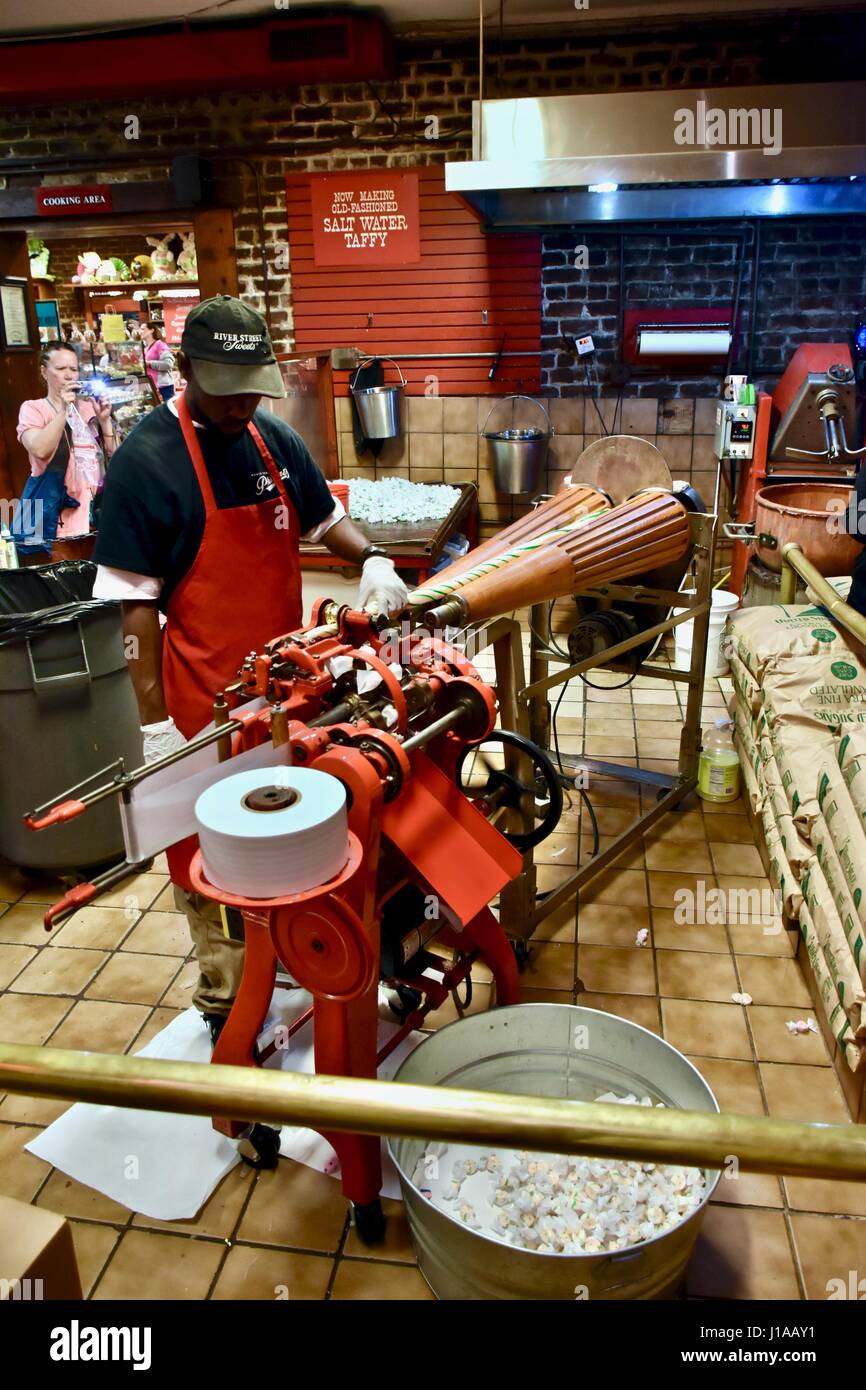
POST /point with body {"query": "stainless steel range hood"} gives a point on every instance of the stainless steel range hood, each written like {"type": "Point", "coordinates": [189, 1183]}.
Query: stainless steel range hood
{"type": "Point", "coordinates": [667, 155]}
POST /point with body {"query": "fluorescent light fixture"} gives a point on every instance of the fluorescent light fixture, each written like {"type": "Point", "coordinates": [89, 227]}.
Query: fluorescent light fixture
{"type": "Point", "coordinates": [603, 187]}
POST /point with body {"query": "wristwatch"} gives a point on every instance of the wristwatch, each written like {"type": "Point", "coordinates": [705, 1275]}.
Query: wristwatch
{"type": "Point", "coordinates": [369, 551]}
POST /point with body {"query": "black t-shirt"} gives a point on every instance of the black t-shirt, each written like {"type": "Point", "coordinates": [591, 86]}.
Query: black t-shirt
{"type": "Point", "coordinates": [152, 517]}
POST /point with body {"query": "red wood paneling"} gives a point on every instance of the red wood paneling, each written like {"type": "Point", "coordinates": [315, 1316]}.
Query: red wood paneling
{"type": "Point", "coordinates": [436, 306]}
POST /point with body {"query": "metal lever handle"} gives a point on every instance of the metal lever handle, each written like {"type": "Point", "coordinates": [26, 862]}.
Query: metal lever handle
{"type": "Point", "coordinates": [837, 443]}
{"type": "Point", "coordinates": [66, 810]}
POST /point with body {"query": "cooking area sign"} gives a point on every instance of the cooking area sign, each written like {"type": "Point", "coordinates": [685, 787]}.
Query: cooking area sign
{"type": "Point", "coordinates": [365, 219]}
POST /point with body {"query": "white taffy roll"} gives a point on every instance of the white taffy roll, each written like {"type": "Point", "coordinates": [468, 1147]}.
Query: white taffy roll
{"type": "Point", "coordinates": [273, 831]}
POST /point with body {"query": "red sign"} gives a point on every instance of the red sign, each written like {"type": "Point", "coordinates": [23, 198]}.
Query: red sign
{"type": "Point", "coordinates": [71, 199]}
{"type": "Point", "coordinates": [174, 312]}
{"type": "Point", "coordinates": [365, 219]}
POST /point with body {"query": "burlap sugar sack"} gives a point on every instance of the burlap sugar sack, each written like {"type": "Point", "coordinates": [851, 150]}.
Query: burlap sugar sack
{"type": "Point", "coordinates": [744, 685]}
{"type": "Point", "coordinates": [747, 752]}
{"type": "Point", "coordinates": [846, 903]}
{"type": "Point", "coordinates": [834, 944]}
{"type": "Point", "coordinates": [744, 722]}
{"type": "Point", "coordinates": [812, 691]}
{"type": "Point", "coordinates": [759, 636]}
{"type": "Point", "coordinates": [781, 874]}
{"type": "Point", "coordinates": [851, 757]}
{"type": "Point", "coordinates": [832, 1009]}
{"type": "Point", "coordinates": [845, 827]}
{"type": "Point", "coordinates": [796, 749]}
{"type": "Point", "coordinates": [797, 849]}
{"type": "Point", "coordinates": [750, 781]}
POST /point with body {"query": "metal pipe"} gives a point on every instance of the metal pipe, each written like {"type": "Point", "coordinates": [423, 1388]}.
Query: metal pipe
{"type": "Point", "coordinates": [753, 307]}
{"type": "Point", "coordinates": [448, 614]}
{"type": "Point", "coordinates": [439, 726]}
{"type": "Point", "coordinates": [354, 1105]}
{"type": "Point", "coordinates": [221, 719]}
{"type": "Point", "coordinates": [848, 617]}
{"type": "Point", "coordinates": [340, 714]}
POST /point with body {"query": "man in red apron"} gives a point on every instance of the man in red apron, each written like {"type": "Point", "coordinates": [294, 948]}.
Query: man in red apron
{"type": "Point", "coordinates": [205, 503]}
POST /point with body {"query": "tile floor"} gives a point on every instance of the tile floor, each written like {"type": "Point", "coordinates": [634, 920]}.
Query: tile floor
{"type": "Point", "coordinates": [116, 974]}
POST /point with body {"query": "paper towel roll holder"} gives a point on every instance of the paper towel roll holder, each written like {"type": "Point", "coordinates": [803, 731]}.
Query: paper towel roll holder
{"type": "Point", "coordinates": [271, 798]}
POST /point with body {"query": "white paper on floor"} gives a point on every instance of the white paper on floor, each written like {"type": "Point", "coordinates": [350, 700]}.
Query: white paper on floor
{"type": "Point", "coordinates": [166, 1166]}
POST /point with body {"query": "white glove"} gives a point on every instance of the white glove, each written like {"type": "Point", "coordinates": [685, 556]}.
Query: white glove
{"type": "Point", "coordinates": [161, 739]}
{"type": "Point", "coordinates": [382, 590]}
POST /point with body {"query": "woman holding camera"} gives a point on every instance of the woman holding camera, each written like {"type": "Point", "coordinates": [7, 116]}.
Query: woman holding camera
{"type": "Point", "coordinates": [69, 435]}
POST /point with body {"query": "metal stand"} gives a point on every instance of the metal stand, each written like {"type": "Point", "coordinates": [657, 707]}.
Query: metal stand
{"type": "Point", "coordinates": [525, 709]}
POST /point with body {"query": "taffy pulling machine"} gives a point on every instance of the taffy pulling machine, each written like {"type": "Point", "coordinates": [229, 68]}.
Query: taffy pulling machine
{"type": "Point", "coordinates": [436, 830]}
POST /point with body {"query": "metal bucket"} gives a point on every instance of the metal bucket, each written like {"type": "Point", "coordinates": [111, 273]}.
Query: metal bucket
{"type": "Point", "coordinates": [379, 407]}
{"type": "Point", "coordinates": [518, 454]}
{"type": "Point", "coordinates": [537, 1049]}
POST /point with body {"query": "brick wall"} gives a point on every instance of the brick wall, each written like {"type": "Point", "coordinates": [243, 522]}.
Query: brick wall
{"type": "Point", "coordinates": [811, 284]}
{"type": "Point", "coordinates": [355, 126]}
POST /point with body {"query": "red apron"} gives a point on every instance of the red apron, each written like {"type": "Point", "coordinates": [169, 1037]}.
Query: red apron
{"type": "Point", "coordinates": [242, 589]}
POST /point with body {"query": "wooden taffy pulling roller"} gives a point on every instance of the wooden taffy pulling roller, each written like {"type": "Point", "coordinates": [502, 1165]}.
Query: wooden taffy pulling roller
{"type": "Point", "coordinates": [570, 551]}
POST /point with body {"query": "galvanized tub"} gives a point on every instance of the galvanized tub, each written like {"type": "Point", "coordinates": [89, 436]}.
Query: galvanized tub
{"type": "Point", "coordinates": [530, 1049]}
{"type": "Point", "coordinates": [379, 407]}
{"type": "Point", "coordinates": [518, 454]}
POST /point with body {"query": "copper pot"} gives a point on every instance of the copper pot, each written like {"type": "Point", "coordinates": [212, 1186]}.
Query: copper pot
{"type": "Point", "coordinates": [812, 515]}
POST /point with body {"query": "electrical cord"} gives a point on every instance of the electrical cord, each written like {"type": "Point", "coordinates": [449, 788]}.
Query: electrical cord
{"type": "Point", "coordinates": [572, 784]}
{"type": "Point", "coordinates": [592, 685]}
{"type": "Point", "coordinates": [591, 388]}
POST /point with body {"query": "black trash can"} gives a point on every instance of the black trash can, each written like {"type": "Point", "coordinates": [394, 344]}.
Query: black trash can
{"type": "Point", "coordinates": [67, 710]}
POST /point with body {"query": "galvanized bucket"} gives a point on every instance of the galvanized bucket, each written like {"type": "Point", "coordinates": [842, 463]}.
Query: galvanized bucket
{"type": "Point", "coordinates": [547, 1050]}
{"type": "Point", "coordinates": [518, 454]}
{"type": "Point", "coordinates": [379, 407]}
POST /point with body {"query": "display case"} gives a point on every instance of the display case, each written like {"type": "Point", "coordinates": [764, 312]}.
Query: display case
{"type": "Point", "coordinates": [120, 375]}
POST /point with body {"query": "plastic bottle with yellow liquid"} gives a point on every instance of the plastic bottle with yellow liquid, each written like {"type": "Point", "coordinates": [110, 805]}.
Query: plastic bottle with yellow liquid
{"type": "Point", "coordinates": [719, 766]}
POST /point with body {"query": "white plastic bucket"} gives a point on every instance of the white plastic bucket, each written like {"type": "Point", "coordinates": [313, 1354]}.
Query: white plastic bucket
{"type": "Point", "coordinates": [724, 604]}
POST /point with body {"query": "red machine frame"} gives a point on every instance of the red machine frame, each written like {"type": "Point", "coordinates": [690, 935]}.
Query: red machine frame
{"type": "Point", "coordinates": [409, 823]}
{"type": "Point", "coordinates": [760, 470]}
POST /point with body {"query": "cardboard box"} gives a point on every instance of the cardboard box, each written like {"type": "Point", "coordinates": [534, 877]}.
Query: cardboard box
{"type": "Point", "coordinates": [37, 1254]}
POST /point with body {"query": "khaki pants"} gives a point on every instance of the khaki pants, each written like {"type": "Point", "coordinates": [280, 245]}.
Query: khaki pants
{"type": "Point", "coordinates": [220, 959]}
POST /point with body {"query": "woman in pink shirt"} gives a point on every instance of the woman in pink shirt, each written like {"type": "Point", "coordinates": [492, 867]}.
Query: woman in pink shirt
{"type": "Point", "coordinates": [159, 359]}
{"type": "Point", "coordinates": [82, 430]}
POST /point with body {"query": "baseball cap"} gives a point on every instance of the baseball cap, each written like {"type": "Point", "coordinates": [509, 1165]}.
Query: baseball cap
{"type": "Point", "coordinates": [229, 343]}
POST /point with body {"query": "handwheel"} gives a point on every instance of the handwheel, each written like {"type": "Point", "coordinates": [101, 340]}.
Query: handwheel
{"type": "Point", "coordinates": [260, 1148]}
{"type": "Point", "coordinates": [369, 1222]}
{"type": "Point", "coordinates": [504, 789]}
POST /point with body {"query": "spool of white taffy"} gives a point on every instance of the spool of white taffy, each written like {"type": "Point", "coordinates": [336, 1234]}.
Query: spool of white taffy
{"type": "Point", "coordinates": [273, 831]}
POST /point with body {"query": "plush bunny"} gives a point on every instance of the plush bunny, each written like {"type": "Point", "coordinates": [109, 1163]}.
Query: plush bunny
{"type": "Point", "coordinates": [186, 261]}
{"type": "Point", "coordinates": [106, 271]}
{"type": "Point", "coordinates": [164, 267]}
{"type": "Point", "coordinates": [88, 265]}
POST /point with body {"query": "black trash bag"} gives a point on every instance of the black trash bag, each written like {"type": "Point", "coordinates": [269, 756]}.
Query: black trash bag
{"type": "Point", "coordinates": [33, 600]}
{"type": "Point", "coordinates": [45, 586]}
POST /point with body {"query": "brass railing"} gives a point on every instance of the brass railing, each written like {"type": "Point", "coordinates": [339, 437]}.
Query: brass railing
{"type": "Point", "coordinates": [698, 1138]}
{"type": "Point", "coordinates": [794, 563]}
